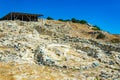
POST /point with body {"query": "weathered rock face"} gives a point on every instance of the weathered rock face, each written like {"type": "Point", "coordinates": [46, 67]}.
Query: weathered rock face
{"type": "Point", "coordinates": [32, 50]}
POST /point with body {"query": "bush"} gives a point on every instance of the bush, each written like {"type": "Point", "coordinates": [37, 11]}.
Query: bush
{"type": "Point", "coordinates": [100, 36]}
{"type": "Point", "coordinates": [61, 20]}
{"type": "Point", "coordinates": [96, 27]}
{"type": "Point", "coordinates": [74, 20]}
{"type": "Point", "coordinates": [64, 20]}
{"type": "Point", "coordinates": [82, 21]}
{"type": "Point", "coordinates": [78, 21]}
{"type": "Point", "coordinates": [49, 18]}
{"type": "Point", "coordinates": [67, 20]}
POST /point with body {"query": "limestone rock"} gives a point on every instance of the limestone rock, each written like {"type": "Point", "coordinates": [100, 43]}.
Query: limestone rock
{"type": "Point", "coordinates": [62, 50]}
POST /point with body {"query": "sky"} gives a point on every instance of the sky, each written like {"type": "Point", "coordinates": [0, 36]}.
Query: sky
{"type": "Point", "coordinates": [103, 13]}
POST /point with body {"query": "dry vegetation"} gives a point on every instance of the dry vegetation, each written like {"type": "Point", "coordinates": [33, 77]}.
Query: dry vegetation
{"type": "Point", "coordinates": [55, 50]}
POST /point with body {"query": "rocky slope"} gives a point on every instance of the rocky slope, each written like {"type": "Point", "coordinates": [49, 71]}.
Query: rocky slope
{"type": "Point", "coordinates": [54, 50]}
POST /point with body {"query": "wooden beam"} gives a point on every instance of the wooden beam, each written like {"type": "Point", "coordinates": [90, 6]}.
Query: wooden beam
{"type": "Point", "coordinates": [11, 16]}
{"type": "Point", "coordinates": [22, 17]}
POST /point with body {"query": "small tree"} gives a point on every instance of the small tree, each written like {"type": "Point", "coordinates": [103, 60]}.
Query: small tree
{"type": "Point", "coordinates": [78, 21]}
{"type": "Point", "coordinates": [82, 21]}
{"type": "Point", "coordinates": [49, 18]}
{"type": "Point", "coordinates": [60, 20]}
{"type": "Point", "coordinates": [67, 20]}
{"type": "Point", "coordinates": [73, 20]}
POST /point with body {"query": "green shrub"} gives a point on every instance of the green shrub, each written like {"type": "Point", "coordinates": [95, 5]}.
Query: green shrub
{"type": "Point", "coordinates": [67, 20]}
{"type": "Point", "coordinates": [96, 28]}
{"type": "Point", "coordinates": [78, 21]}
{"type": "Point", "coordinates": [82, 21]}
{"type": "Point", "coordinates": [49, 18]}
{"type": "Point", "coordinates": [74, 20]}
{"type": "Point", "coordinates": [60, 20]}
{"type": "Point", "coordinates": [63, 20]}
{"type": "Point", "coordinates": [100, 36]}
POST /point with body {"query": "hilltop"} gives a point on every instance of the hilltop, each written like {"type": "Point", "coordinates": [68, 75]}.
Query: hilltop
{"type": "Point", "coordinates": [56, 50]}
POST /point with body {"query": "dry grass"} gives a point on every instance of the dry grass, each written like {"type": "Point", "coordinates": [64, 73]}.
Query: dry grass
{"type": "Point", "coordinates": [2, 35]}
{"type": "Point", "coordinates": [12, 71]}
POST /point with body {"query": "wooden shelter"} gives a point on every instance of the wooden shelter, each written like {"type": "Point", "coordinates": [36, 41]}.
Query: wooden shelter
{"type": "Point", "coordinates": [21, 16]}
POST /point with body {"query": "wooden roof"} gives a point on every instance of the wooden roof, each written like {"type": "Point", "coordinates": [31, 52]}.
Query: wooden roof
{"type": "Point", "coordinates": [20, 13]}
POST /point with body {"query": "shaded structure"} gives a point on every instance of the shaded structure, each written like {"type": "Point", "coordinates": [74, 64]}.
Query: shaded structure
{"type": "Point", "coordinates": [21, 16]}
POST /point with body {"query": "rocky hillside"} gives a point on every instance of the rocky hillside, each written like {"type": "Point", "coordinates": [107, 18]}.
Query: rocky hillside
{"type": "Point", "coordinates": [54, 50]}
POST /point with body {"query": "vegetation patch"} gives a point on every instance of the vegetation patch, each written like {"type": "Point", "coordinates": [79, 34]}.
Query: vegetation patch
{"type": "Point", "coordinates": [49, 18]}
{"type": "Point", "coordinates": [96, 28]}
{"type": "Point", "coordinates": [74, 21]}
{"type": "Point", "coordinates": [100, 36]}
{"type": "Point", "coordinates": [116, 40]}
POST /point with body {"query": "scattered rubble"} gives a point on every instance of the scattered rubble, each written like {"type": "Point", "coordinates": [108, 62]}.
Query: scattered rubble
{"type": "Point", "coordinates": [61, 50]}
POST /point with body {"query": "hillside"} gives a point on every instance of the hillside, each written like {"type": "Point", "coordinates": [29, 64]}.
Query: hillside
{"type": "Point", "coordinates": [55, 50]}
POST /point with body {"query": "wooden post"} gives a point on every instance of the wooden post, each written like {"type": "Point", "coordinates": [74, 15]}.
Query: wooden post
{"type": "Point", "coordinates": [29, 18]}
{"type": "Point", "coordinates": [22, 17]}
{"type": "Point", "coordinates": [11, 16]}
{"type": "Point", "coordinates": [36, 18]}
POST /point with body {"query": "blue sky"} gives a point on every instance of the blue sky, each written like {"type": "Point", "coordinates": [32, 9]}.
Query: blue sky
{"type": "Point", "coordinates": [104, 13]}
